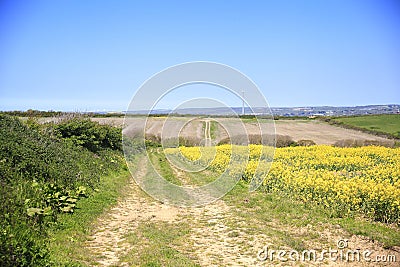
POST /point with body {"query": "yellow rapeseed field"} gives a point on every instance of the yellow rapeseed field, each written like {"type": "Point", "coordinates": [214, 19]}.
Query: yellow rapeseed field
{"type": "Point", "coordinates": [365, 180]}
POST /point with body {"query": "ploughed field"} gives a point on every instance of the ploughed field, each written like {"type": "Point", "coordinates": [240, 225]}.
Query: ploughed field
{"type": "Point", "coordinates": [317, 131]}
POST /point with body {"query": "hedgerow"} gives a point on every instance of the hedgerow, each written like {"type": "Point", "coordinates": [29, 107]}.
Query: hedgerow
{"type": "Point", "coordinates": [44, 171]}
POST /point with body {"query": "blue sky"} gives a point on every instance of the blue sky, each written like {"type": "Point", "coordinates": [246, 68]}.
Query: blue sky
{"type": "Point", "coordinates": [93, 55]}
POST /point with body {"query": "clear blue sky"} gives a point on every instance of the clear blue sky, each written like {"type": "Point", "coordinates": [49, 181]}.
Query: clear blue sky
{"type": "Point", "coordinates": [93, 55]}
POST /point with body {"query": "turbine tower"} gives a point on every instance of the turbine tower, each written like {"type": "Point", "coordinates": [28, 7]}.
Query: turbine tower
{"type": "Point", "coordinates": [242, 102]}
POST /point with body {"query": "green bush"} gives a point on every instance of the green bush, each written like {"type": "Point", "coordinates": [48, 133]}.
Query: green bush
{"type": "Point", "coordinates": [42, 176]}
{"type": "Point", "coordinates": [90, 134]}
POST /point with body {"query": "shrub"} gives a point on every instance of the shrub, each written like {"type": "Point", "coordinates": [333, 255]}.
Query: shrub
{"type": "Point", "coordinates": [284, 141]}
{"type": "Point", "coordinates": [152, 140]}
{"type": "Point", "coordinates": [253, 139]}
{"type": "Point", "coordinates": [90, 134]}
{"type": "Point", "coordinates": [306, 142]}
{"type": "Point", "coordinates": [360, 143]}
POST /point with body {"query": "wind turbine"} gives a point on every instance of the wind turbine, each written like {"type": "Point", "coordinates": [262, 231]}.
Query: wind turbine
{"type": "Point", "coordinates": [242, 102]}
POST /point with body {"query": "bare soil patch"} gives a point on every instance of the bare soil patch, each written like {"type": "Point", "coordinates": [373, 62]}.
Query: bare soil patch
{"type": "Point", "coordinates": [320, 132]}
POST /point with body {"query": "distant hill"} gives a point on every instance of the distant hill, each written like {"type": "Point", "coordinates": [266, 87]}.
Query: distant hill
{"type": "Point", "coordinates": [284, 111]}
{"type": "Point", "coordinates": [225, 111]}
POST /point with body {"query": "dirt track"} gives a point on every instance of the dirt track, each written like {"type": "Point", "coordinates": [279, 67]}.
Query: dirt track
{"type": "Point", "coordinates": [219, 236]}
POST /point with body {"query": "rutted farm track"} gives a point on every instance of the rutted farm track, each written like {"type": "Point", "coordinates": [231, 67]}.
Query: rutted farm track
{"type": "Point", "coordinates": [211, 240]}
{"type": "Point", "coordinates": [207, 133]}
{"type": "Point", "coordinates": [220, 234]}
